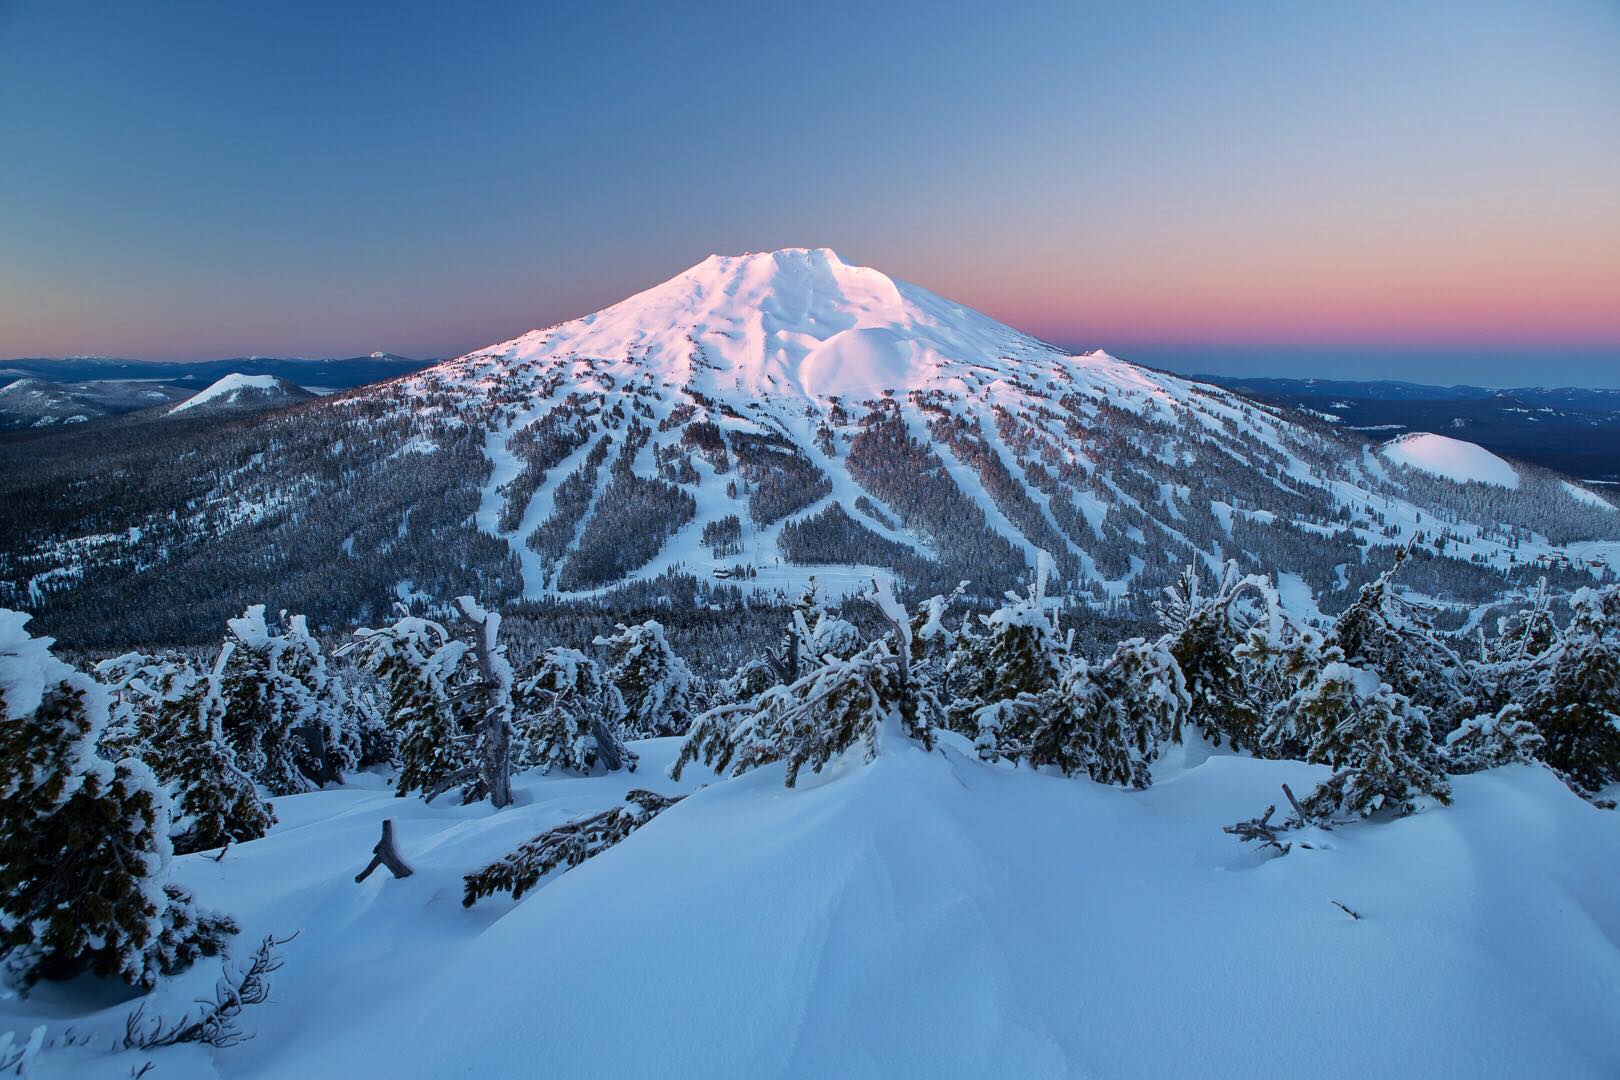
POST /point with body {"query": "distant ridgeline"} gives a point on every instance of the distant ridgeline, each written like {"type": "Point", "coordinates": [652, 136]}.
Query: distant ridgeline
{"type": "Point", "coordinates": [704, 448]}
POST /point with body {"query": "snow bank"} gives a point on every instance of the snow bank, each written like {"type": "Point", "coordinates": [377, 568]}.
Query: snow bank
{"type": "Point", "coordinates": [1452, 459]}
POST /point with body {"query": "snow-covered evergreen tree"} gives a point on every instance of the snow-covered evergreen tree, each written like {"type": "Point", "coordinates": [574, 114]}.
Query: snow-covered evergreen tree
{"type": "Point", "coordinates": [1376, 740]}
{"type": "Point", "coordinates": [490, 704]}
{"type": "Point", "coordinates": [84, 845]}
{"type": "Point", "coordinates": [284, 713]}
{"type": "Point", "coordinates": [654, 683]}
{"type": "Point", "coordinates": [568, 715]}
{"type": "Point", "coordinates": [1574, 697]}
{"type": "Point", "coordinates": [424, 672]}
{"type": "Point", "coordinates": [1206, 635]}
{"type": "Point", "coordinates": [1490, 740]}
{"type": "Point", "coordinates": [1019, 651]}
{"type": "Point", "coordinates": [450, 699]}
{"type": "Point", "coordinates": [866, 699]}
{"type": "Point", "coordinates": [215, 802]}
{"type": "Point", "coordinates": [1395, 638]}
{"type": "Point", "coordinates": [565, 846]}
{"type": "Point", "coordinates": [1107, 721]}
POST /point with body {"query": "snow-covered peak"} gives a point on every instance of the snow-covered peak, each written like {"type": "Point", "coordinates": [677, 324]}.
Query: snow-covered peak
{"type": "Point", "coordinates": [238, 389]}
{"type": "Point", "coordinates": [795, 321]}
{"type": "Point", "coordinates": [1450, 458]}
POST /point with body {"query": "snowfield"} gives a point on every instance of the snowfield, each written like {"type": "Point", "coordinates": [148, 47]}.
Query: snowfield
{"type": "Point", "coordinates": [1454, 459]}
{"type": "Point", "coordinates": [926, 915]}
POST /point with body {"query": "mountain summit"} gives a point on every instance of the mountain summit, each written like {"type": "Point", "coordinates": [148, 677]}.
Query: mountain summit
{"type": "Point", "coordinates": [799, 319]}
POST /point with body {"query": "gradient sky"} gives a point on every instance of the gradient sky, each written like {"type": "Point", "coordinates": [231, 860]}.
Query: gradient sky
{"type": "Point", "coordinates": [1422, 190]}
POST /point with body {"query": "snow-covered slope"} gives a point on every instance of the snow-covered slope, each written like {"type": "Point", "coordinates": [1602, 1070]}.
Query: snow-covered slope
{"type": "Point", "coordinates": [236, 392]}
{"type": "Point", "coordinates": [924, 916]}
{"type": "Point", "coordinates": [1452, 459]}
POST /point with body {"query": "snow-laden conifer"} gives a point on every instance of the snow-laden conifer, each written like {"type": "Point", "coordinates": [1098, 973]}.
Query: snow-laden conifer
{"type": "Point", "coordinates": [654, 683]}
{"type": "Point", "coordinates": [1106, 720]}
{"type": "Point", "coordinates": [424, 672]}
{"type": "Point", "coordinates": [283, 712]}
{"type": "Point", "coordinates": [568, 715]}
{"type": "Point", "coordinates": [1018, 650]}
{"type": "Point", "coordinates": [1206, 635]}
{"type": "Point", "coordinates": [565, 846]}
{"type": "Point", "coordinates": [1490, 740]}
{"type": "Point", "coordinates": [1394, 637]}
{"type": "Point", "coordinates": [866, 699]}
{"type": "Point", "coordinates": [84, 845]}
{"type": "Point", "coordinates": [1573, 693]}
{"type": "Point", "coordinates": [1376, 741]}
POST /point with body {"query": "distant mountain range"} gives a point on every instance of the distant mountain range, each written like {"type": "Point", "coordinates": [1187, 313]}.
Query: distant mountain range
{"type": "Point", "coordinates": [1570, 429]}
{"type": "Point", "coordinates": [40, 394]}
{"type": "Point", "coordinates": [326, 374]}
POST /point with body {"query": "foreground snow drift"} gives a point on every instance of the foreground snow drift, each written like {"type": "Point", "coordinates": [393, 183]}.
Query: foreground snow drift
{"type": "Point", "coordinates": [927, 916]}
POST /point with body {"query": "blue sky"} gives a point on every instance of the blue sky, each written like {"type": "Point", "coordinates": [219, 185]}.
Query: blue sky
{"type": "Point", "coordinates": [1430, 190]}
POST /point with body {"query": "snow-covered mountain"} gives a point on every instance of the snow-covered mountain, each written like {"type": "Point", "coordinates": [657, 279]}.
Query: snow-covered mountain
{"type": "Point", "coordinates": [242, 393]}
{"type": "Point", "coordinates": [751, 422]}
{"type": "Point", "coordinates": [806, 412]}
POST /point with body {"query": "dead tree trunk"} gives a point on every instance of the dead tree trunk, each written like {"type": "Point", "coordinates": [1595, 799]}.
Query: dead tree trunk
{"type": "Point", "coordinates": [385, 854]}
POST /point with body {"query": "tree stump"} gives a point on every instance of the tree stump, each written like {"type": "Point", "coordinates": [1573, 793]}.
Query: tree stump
{"type": "Point", "coordinates": [385, 854]}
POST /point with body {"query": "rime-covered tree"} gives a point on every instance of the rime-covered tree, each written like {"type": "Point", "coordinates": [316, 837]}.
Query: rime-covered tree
{"type": "Point", "coordinates": [1393, 637]}
{"type": "Point", "coordinates": [868, 699]}
{"type": "Point", "coordinates": [215, 802]}
{"type": "Point", "coordinates": [654, 683]}
{"type": "Point", "coordinates": [283, 712]}
{"type": "Point", "coordinates": [1490, 740]}
{"type": "Point", "coordinates": [1376, 741]}
{"type": "Point", "coordinates": [1107, 721]}
{"type": "Point", "coordinates": [565, 846]}
{"type": "Point", "coordinates": [136, 683]}
{"type": "Point", "coordinates": [568, 715]}
{"type": "Point", "coordinates": [490, 704]}
{"type": "Point", "coordinates": [1206, 635]}
{"type": "Point", "coordinates": [424, 672]}
{"type": "Point", "coordinates": [1018, 651]}
{"type": "Point", "coordinates": [84, 845]}
{"type": "Point", "coordinates": [1574, 699]}
{"type": "Point", "coordinates": [450, 699]}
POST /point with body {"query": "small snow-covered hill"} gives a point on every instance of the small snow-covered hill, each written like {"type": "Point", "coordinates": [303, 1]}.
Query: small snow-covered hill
{"type": "Point", "coordinates": [1452, 459]}
{"type": "Point", "coordinates": [242, 393]}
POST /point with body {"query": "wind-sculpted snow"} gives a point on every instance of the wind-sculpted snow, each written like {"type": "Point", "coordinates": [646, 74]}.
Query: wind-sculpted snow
{"type": "Point", "coordinates": [925, 915]}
